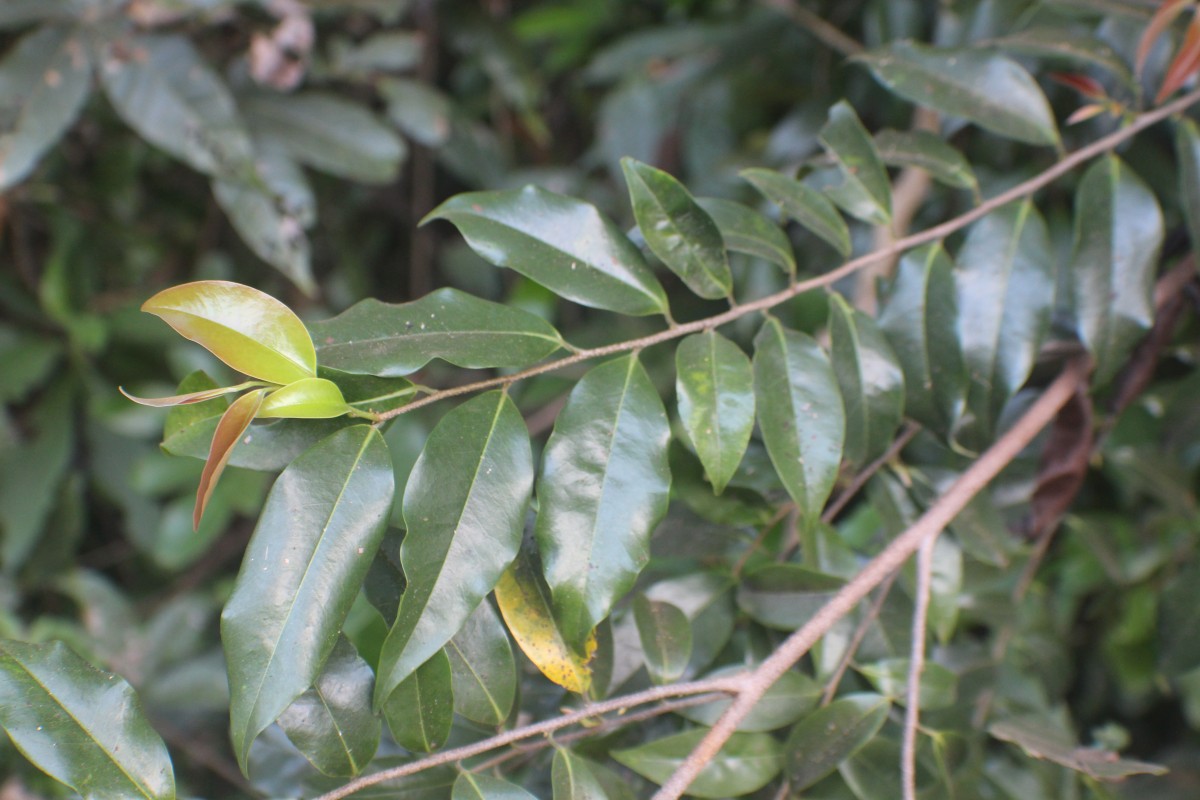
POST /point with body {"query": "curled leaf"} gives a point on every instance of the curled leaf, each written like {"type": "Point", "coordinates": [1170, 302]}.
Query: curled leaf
{"type": "Point", "coordinates": [190, 397]}
{"type": "Point", "coordinates": [309, 398]}
{"type": "Point", "coordinates": [232, 425]}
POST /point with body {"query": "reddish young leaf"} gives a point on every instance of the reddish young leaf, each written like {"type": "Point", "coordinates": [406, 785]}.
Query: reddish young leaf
{"type": "Point", "coordinates": [190, 397]}
{"type": "Point", "coordinates": [1161, 20]}
{"type": "Point", "coordinates": [232, 425]}
{"type": "Point", "coordinates": [1185, 64]}
{"type": "Point", "coordinates": [1085, 85]}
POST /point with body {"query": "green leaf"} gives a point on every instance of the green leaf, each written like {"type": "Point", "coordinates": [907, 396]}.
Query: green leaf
{"type": "Point", "coordinates": [232, 425]}
{"type": "Point", "coordinates": [714, 384]}
{"type": "Point", "coordinates": [369, 393]}
{"type": "Point", "coordinates": [464, 509]}
{"type": "Point", "coordinates": [305, 563]}
{"type": "Point", "coordinates": [603, 487]}
{"type": "Point", "coordinates": [938, 686]}
{"type": "Point", "coordinates": [393, 340]}
{"type": "Point", "coordinates": [666, 638]}
{"type": "Point", "coordinates": [572, 778]}
{"type": "Point", "coordinates": [1178, 621]}
{"type": "Point", "coordinates": [420, 710]}
{"type": "Point", "coordinates": [1005, 285]}
{"type": "Point", "coordinates": [920, 319]}
{"type": "Point", "coordinates": [745, 230]}
{"type": "Point", "coordinates": [830, 735]}
{"type": "Point", "coordinates": [787, 700]}
{"type": "Point", "coordinates": [1044, 738]}
{"type": "Point", "coordinates": [865, 191]}
{"type": "Point", "coordinates": [562, 243]}
{"type": "Point", "coordinates": [744, 764]}
{"type": "Point", "coordinates": [485, 674]}
{"type": "Point", "coordinates": [44, 81]}
{"type": "Point", "coordinates": [307, 398]}
{"type": "Point", "coordinates": [418, 109]}
{"type": "Point", "coordinates": [706, 599]}
{"type": "Point", "coordinates": [473, 786]}
{"type": "Point", "coordinates": [328, 133]}
{"type": "Point", "coordinates": [1061, 43]}
{"type": "Point", "coordinates": [992, 91]}
{"type": "Point", "coordinates": [79, 725]}
{"type": "Point", "coordinates": [332, 723]}
{"type": "Point", "coordinates": [800, 413]}
{"type": "Point", "coordinates": [269, 447]}
{"type": "Point", "coordinates": [871, 381]}
{"type": "Point", "coordinates": [1118, 234]}
{"type": "Point", "coordinates": [273, 231]}
{"type": "Point", "coordinates": [785, 596]}
{"type": "Point", "coordinates": [929, 152]}
{"type": "Point", "coordinates": [678, 230]}
{"type": "Point", "coordinates": [247, 329]}
{"type": "Point", "coordinates": [1187, 155]}
{"type": "Point", "coordinates": [165, 91]}
{"type": "Point", "coordinates": [804, 204]}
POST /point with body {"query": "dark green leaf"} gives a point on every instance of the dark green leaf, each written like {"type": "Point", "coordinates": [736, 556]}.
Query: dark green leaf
{"type": "Point", "coordinates": [81, 726]}
{"type": "Point", "coordinates": [788, 699]}
{"type": "Point", "coordinates": [44, 80]}
{"type": "Point", "coordinates": [1044, 738]}
{"type": "Point", "coordinates": [485, 675]}
{"type": "Point", "coordinates": [472, 786]}
{"type": "Point", "coordinates": [929, 152]}
{"type": "Point", "coordinates": [992, 91]}
{"type": "Point", "coordinates": [666, 638]}
{"type": "Point", "coordinates": [318, 532]}
{"type": "Point", "coordinates": [744, 764]}
{"type": "Point", "coordinates": [1178, 621]}
{"type": "Point", "coordinates": [714, 384]}
{"type": "Point", "coordinates": [785, 596]}
{"type": "Point", "coordinates": [420, 710]}
{"type": "Point", "coordinates": [1005, 286]}
{"type": "Point", "coordinates": [392, 340]}
{"type": "Point", "coordinates": [368, 392]}
{"type": "Point", "coordinates": [800, 412]}
{"type": "Point", "coordinates": [745, 230]}
{"type": "Point", "coordinates": [14, 13]}
{"type": "Point", "coordinates": [573, 779]}
{"type": "Point", "coordinates": [332, 723]}
{"type": "Point", "coordinates": [1118, 233]}
{"type": "Point", "coordinates": [603, 487]}
{"type": "Point", "coordinates": [831, 735]}
{"type": "Point", "coordinates": [264, 447]}
{"type": "Point", "coordinates": [1059, 43]}
{"type": "Point", "coordinates": [865, 191]}
{"type": "Point", "coordinates": [562, 243]}
{"type": "Point", "coordinates": [26, 361]}
{"type": "Point", "coordinates": [804, 204]}
{"type": "Point", "coordinates": [1187, 153]}
{"type": "Point", "coordinates": [871, 381]}
{"type": "Point", "coordinates": [939, 686]}
{"type": "Point", "coordinates": [678, 230]}
{"type": "Point", "coordinates": [464, 509]}
{"type": "Point", "coordinates": [920, 318]}
{"type": "Point", "coordinates": [706, 599]}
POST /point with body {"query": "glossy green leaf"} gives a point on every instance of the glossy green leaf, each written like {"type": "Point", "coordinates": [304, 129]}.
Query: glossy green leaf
{"type": "Point", "coordinates": [232, 425]}
{"type": "Point", "coordinates": [804, 204]}
{"type": "Point", "coordinates": [991, 90]}
{"type": "Point", "coordinates": [464, 509]}
{"type": "Point", "coordinates": [871, 381]}
{"type": "Point", "coordinates": [865, 191]}
{"type": "Point", "coordinates": [485, 674]}
{"type": "Point", "coordinates": [328, 133]}
{"type": "Point", "coordinates": [1060, 43]}
{"type": "Point", "coordinates": [1187, 154]}
{"type": "Point", "coordinates": [785, 596]}
{"type": "Point", "coordinates": [714, 385]}
{"type": "Point", "coordinates": [81, 726]}
{"type": "Point", "coordinates": [269, 447]}
{"type": "Point", "coordinates": [247, 329]}
{"type": "Point", "coordinates": [745, 230]}
{"type": "Point", "coordinates": [268, 226]}
{"type": "Point", "coordinates": [44, 81]}
{"type": "Point", "coordinates": [307, 398]}
{"type": "Point", "coordinates": [787, 700]}
{"type": "Point", "coordinates": [562, 243]}
{"type": "Point", "coordinates": [946, 588]}
{"type": "Point", "coordinates": [929, 152]}
{"type": "Point", "coordinates": [420, 710]}
{"type": "Point", "coordinates": [1046, 739]}
{"type": "Point", "coordinates": [478, 786]}
{"type": "Point", "coordinates": [167, 92]}
{"type": "Point", "coordinates": [1118, 234]}
{"type": "Point", "coordinates": [678, 230]}
{"type": "Point", "coordinates": [830, 735]}
{"type": "Point", "coordinates": [310, 551]}
{"type": "Point", "coordinates": [800, 413]}
{"type": "Point", "coordinates": [393, 340]}
{"type": "Point", "coordinates": [744, 764]}
{"type": "Point", "coordinates": [666, 638]}
{"type": "Point", "coordinates": [920, 319]}
{"type": "Point", "coordinates": [1178, 621]}
{"type": "Point", "coordinates": [705, 598]}
{"type": "Point", "coordinates": [603, 487]}
{"type": "Point", "coordinates": [572, 778]}
{"type": "Point", "coordinates": [1005, 283]}
{"type": "Point", "coordinates": [938, 685]}
{"type": "Point", "coordinates": [332, 723]}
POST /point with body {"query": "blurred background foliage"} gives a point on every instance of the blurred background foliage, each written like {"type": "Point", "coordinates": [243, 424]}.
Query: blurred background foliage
{"type": "Point", "coordinates": [296, 147]}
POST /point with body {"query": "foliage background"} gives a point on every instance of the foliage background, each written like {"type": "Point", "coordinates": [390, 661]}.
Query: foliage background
{"type": "Point", "coordinates": [336, 126]}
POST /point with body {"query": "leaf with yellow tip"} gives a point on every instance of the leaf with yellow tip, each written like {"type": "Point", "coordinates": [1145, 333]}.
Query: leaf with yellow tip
{"type": "Point", "coordinates": [190, 397]}
{"type": "Point", "coordinates": [232, 425]}
{"type": "Point", "coordinates": [309, 398]}
{"type": "Point", "coordinates": [524, 603]}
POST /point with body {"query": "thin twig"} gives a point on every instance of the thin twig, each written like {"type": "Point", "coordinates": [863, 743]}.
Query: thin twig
{"type": "Point", "coordinates": [916, 666]}
{"type": "Point", "coordinates": [934, 233]}
{"type": "Point", "coordinates": [860, 633]}
{"type": "Point", "coordinates": [939, 515]}
{"type": "Point", "coordinates": [906, 435]}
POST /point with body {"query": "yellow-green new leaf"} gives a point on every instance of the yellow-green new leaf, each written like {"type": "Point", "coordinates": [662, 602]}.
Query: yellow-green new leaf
{"type": "Point", "coordinates": [232, 425]}
{"type": "Point", "coordinates": [308, 398]}
{"type": "Point", "coordinates": [247, 329]}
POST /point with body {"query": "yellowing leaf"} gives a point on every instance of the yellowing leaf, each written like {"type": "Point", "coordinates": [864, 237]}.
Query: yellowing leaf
{"type": "Point", "coordinates": [190, 397]}
{"type": "Point", "coordinates": [230, 428]}
{"type": "Point", "coordinates": [309, 398]}
{"type": "Point", "coordinates": [525, 605]}
{"type": "Point", "coordinates": [247, 329]}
